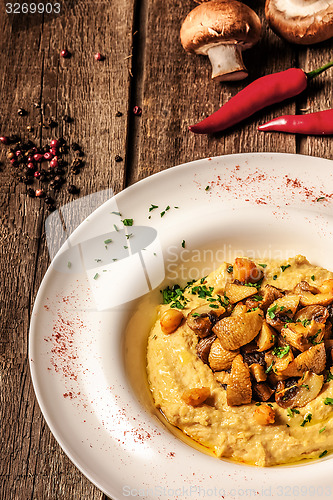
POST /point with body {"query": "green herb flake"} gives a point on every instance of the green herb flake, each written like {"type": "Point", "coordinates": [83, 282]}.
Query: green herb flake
{"type": "Point", "coordinates": [230, 269]}
{"type": "Point", "coordinates": [196, 315]}
{"type": "Point", "coordinates": [183, 244]}
{"type": "Point", "coordinates": [291, 412]}
{"type": "Point", "coordinates": [107, 241]}
{"type": "Point", "coordinates": [280, 352]}
{"type": "Point", "coordinates": [328, 401]}
{"type": "Point", "coordinates": [283, 268]}
{"type": "Point", "coordinates": [98, 260]}
{"type": "Point", "coordinates": [214, 306]}
{"type": "Point", "coordinates": [152, 207]}
{"type": "Point", "coordinates": [154, 336]}
{"type": "Point", "coordinates": [163, 213]}
{"type": "Point", "coordinates": [313, 277]}
{"type": "Point", "coordinates": [69, 265]}
{"type": "Point", "coordinates": [306, 386]}
{"type": "Point", "coordinates": [116, 213]}
{"type": "Point", "coordinates": [275, 277]}
{"type": "Point", "coordinates": [263, 265]}
{"type": "Point", "coordinates": [258, 404]}
{"type": "Point", "coordinates": [126, 247]}
{"type": "Point", "coordinates": [207, 188]}
{"type": "Point", "coordinates": [202, 281]}
{"type": "Point", "coordinates": [128, 236]}
{"type": "Point", "coordinates": [127, 222]}
{"type": "Point", "coordinates": [306, 322]}
{"type": "Point", "coordinates": [321, 198]}
{"type": "Point", "coordinates": [116, 228]}
{"type": "Point", "coordinates": [322, 430]}
{"type": "Point", "coordinates": [323, 454]}
{"type": "Point", "coordinates": [307, 419]}
{"type": "Point", "coordinates": [271, 311]}
{"type": "Point", "coordinates": [269, 368]}
{"type": "Point", "coordinates": [96, 276]}
{"type": "Point", "coordinates": [329, 377]}
{"type": "Point", "coordinates": [167, 208]}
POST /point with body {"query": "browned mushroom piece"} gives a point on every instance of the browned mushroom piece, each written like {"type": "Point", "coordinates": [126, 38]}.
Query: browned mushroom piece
{"type": "Point", "coordinates": [323, 295]}
{"type": "Point", "coordinates": [294, 393]}
{"type": "Point", "coordinates": [304, 286]}
{"type": "Point", "coordinates": [203, 347]}
{"type": "Point", "coordinates": [313, 359]}
{"type": "Point", "coordinates": [239, 388]}
{"type": "Point", "coordinates": [302, 336]}
{"type": "Point", "coordinates": [202, 318]}
{"type": "Point", "coordinates": [317, 313]}
{"type": "Point", "coordinates": [282, 310]}
{"type": "Point", "coordinates": [301, 21]}
{"type": "Point", "coordinates": [261, 391]}
{"type": "Point", "coordinates": [219, 358]}
{"type": "Point", "coordinates": [221, 29]}
{"type": "Point", "coordinates": [269, 295]}
{"type": "Point", "coordinates": [234, 332]}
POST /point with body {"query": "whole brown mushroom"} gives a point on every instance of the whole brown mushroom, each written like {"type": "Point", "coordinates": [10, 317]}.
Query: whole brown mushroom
{"type": "Point", "coordinates": [301, 21]}
{"type": "Point", "coordinates": [221, 29]}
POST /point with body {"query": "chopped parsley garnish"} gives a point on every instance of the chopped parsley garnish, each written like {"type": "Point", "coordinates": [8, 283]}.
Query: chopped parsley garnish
{"type": "Point", "coordinates": [230, 269]}
{"type": "Point", "coordinates": [258, 404]}
{"type": "Point", "coordinates": [163, 213]}
{"type": "Point", "coordinates": [203, 280]}
{"type": "Point", "coordinates": [271, 311]}
{"type": "Point", "coordinates": [323, 454]}
{"type": "Point", "coordinates": [306, 386]}
{"type": "Point", "coordinates": [207, 188]}
{"type": "Point", "coordinates": [107, 241]}
{"type": "Point", "coordinates": [312, 339]}
{"type": "Point", "coordinates": [307, 419]}
{"type": "Point", "coordinates": [152, 207]}
{"type": "Point", "coordinates": [283, 268]}
{"type": "Point", "coordinates": [98, 260]}
{"type": "Point", "coordinates": [127, 222]}
{"type": "Point", "coordinates": [183, 244]}
{"type": "Point", "coordinates": [174, 296]}
{"type": "Point", "coordinates": [328, 401]}
{"type": "Point", "coordinates": [329, 377]}
{"type": "Point", "coordinates": [306, 322]}
{"type": "Point", "coordinates": [128, 236]}
{"type": "Point", "coordinates": [96, 276]}
{"type": "Point", "coordinates": [116, 213]}
{"type": "Point", "coordinates": [69, 265]}
{"type": "Point", "coordinates": [313, 277]}
{"type": "Point", "coordinates": [322, 430]}
{"type": "Point", "coordinates": [115, 227]}
{"type": "Point", "coordinates": [202, 291]}
{"type": "Point", "coordinates": [196, 315]}
{"type": "Point", "coordinates": [291, 412]}
{"type": "Point", "coordinates": [269, 368]}
{"type": "Point", "coordinates": [263, 265]}
{"type": "Point", "coordinates": [321, 198]}
{"type": "Point", "coordinates": [257, 297]}
{"type": "Point", "coordinates": [214, 306]}
{"type": "Point", "coordinates": [275, 277]}
{"type": "Point", "coordinates": [126, 247]}
{"type": "Point", "coordinates": [253, 309]}
{"type": "Point", "coordinates": [280, 352]}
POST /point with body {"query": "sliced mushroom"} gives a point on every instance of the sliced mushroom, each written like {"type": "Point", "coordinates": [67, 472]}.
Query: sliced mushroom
{"type": "Point", "coordinates": [269, 295]}
{"type": "Point", "coordinates": [301, 21]}
{"type": "Point", "coordinates": [279, 359]}
{"type": "Point", "coordinates": [219, 358]}
{"type": "Point", "coordinates": [304, 286]}
{"type": "Point", "coordinates": [201, 319]}
{"type": "Point", "coordinates": [233, 332]}
{"type": "Point", "coordinates": [203, 347]}
{"type": "Point", "coordinates": [236, 293]}
{"type": "Point", "coordinates": [301, 392]}
{"type": "Point", "coordinates": [266, 338]}
{"type": "Point", "coordinates": [317, 313]}
{"type": "Point", "coordinates": [262, 391]}
{"type": "Point", "coordinates": [282, 310]}
{"type": "Point", "coordinates": [221, 29]}
{"type": "Point", "coordinates": [239, 389]}
{"type": "Point", "coordinates": [314, 360]}
{"type": "Point", "coordinates": [303, 337]}
{"type": "Point", "coordinates": [323, 298]}
{"type": "Point", "coordinates": [246, 271]}
{"type": "Point", "coordinates": [258, 372]}
{"type": "Point", "coordinates": [239, 309]}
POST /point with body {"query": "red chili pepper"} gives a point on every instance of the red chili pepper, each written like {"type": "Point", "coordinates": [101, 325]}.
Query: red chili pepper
{"type": "Point", "coordinates": [263, 92]}
{"type": "Point", "coordinates": [320, 123]}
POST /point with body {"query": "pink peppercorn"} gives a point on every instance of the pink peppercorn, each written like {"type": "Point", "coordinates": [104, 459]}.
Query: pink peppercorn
{"type": "Point", "coordinates": [38, 157]}
{"type": "Point", "coordinates": [48, 156]}
{"type": "Point", "coordinates": [54, 151]}
{"type": "Point", "coordinates": [39, 193]}
{"type": "Point", "coordinates": [99, 57]}
{"type": "Point", "coordinates": [54, 162]}
{"type": "Point", "coordinates": [54, 143]}
{"type": "Point", "coordinates": [4, 139]}
{"type": "Point", "coordinates": [37, 175]}
{"type": "Point", "coordinates": [65, 54]}
{"type": "Point", "coordinates": [137, 110]}
{"type": "Point", "coordinates": [31, 166]}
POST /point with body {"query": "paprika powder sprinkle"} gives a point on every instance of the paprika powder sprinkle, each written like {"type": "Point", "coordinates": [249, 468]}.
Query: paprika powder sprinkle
{"type": "Point", "coordinates": [319, 123]}
{"type": "Point", "coordinates": [263, 92]}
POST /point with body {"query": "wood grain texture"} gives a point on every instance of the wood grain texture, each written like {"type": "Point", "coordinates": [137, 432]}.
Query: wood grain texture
{"type": "Point", "coordinates": [33, 465]}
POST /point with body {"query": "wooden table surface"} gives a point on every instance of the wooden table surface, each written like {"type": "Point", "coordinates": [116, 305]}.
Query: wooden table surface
{"type": "Point", "coordinates": [145, 65]}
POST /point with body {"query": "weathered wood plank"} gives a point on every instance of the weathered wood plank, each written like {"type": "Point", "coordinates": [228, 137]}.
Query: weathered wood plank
{"type": "Point", "coordinates": [33, 465]}
{"type": "Point", "coordinates": [178, 91]}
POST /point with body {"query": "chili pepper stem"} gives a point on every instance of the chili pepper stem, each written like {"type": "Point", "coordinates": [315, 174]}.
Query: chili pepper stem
{"type": "Point", "coordinates": [315, 72]}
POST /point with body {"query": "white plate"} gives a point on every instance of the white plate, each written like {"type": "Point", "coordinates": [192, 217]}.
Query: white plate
{"type": "Point", "coordinates": [87, 359]}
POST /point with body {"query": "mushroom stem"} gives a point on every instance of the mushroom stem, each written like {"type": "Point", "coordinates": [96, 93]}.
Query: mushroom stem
{"type": "Point", "coordinates": [227, 62]}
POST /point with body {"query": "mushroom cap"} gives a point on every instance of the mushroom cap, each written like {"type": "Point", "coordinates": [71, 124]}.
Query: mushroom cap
{"type": "Point", "coordinates": [219, 21]}
{"type": "Point", "coordinates": [301, 21]}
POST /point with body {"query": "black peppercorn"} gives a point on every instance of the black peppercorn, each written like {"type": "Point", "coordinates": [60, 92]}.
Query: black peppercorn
{"type": "Point", "coordinates": [118, 114]}
{"type": "Point", "coordinates": [118, 158]}
{"type": "Point", "coordinates": [21, 112]}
